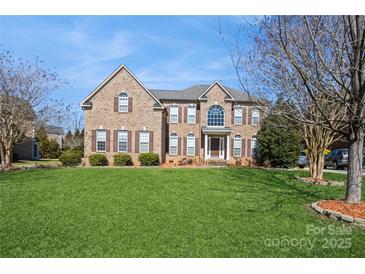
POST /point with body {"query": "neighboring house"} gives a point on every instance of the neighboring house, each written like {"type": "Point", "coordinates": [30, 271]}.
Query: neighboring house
{"type": "Point", "coordinates": [203, 123]}
{"type": "Point", "coordinates": [55, 133]}
{"type": "Point", "coordinates": [28, 149]}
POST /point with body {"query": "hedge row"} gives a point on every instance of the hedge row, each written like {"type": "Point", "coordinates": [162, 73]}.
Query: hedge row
{"type": "Point", "coordinates": [73, 158]}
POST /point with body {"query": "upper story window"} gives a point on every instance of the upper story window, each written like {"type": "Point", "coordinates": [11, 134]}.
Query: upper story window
{"type": "Point", "coordinates": [100, 139]}
{"type": "Point", "coordinates": [173, 144]}
{"type": "Point", "coordinates": [238, 116]}
{"type": "Point", "coordinates": [174, 114]}
{"type": "Point", "coordinates": [216, 116]}
{"type": "Point", "coordinates": [123, 102]}
{"type": "Point", "coordinates": [237, 146]}
{"type": "Point", "coordinates": [144, 141]}
{"type": "Point", "coordinates": [191, 114]}
{"type": "Point", "coordinates": [255, 119]}
{"type": "Point", "coordinates": [190, 145]}
{"type": "Point", "coordinates": [253, 145]}
{"type": "Point", "coordinates": [122, 141]}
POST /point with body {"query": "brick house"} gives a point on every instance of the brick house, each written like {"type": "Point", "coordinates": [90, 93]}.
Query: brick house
{"type": "Point", "coordinates": [55, 133]}
{"type": "Point", "coordinates": [202, 123]}
{"type": "Point", "coordinates": [28, 149]}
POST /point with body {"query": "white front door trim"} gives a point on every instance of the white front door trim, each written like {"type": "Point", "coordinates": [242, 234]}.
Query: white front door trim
{"type": "Point", "coordinates": [228, 148]}
{"type": "Point", "coordinates": [221, 147]}
{"type": "Point", "coordinates": [205, 146]}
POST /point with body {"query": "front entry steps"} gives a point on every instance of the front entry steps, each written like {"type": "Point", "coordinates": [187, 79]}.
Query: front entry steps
{"type": "Point", "coordinates": [216, 162]}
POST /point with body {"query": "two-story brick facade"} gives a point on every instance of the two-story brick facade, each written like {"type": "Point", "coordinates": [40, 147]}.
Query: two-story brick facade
{"type": "Point", "coordinates": [202, 123]}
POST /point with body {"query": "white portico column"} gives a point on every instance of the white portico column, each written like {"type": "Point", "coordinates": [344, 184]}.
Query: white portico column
{"type": "Point", "coordinates": [228, 148]}
{"type": "Point", "coordinates": [205, 146]}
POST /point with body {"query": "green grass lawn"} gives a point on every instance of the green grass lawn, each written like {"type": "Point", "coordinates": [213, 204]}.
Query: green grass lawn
{"type": "Point", "coordinates": [225, 212]}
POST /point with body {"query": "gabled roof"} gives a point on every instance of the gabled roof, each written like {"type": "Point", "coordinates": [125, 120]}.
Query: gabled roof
{"type": "Point", "coordinates": [86, 102]}
{"type": "Point", "coordinates": [54, 129]}
{"type": "Point", "coordinates": [194, 92]}
{"type": "Point", "coordinates": [51, 129]}
{"type": "Point", "coordinates": [211, 86]}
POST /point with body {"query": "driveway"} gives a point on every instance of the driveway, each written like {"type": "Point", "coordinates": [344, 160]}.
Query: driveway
{"type": "Point", "coordinates": [340, 171]}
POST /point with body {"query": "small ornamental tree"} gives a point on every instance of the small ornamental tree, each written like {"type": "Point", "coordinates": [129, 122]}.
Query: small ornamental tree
{"type": "Point", "coordinates": [48, 148]}
{"type": "Point", "coordinates": [76, 138]}
{"type": "Point", "coordinates": [82, 134]}
{"type": "Point", "coordinates": [68, 140]}
{"type": "Point", "coordinates": [43, 141]}
{"type": "Point", "coordinates": [316, 63]}
{"type": "Point", "coordinates": [52, 149]}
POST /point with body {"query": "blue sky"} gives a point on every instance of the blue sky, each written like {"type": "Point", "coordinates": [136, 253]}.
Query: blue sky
{"type": "Point", "coordinates": [169, 52]}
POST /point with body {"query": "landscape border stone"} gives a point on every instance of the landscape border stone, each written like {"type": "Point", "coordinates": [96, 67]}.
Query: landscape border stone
{"type": "Point", "coordinates": [337, 215]}
{"type": "Point", "coordinates": [15, 168]}
{"type": "Point", "coordinates": [319, 183]}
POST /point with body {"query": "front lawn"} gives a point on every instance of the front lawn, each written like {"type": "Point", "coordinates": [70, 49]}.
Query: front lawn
{"type": "Point", "coordinates": [111, 212]}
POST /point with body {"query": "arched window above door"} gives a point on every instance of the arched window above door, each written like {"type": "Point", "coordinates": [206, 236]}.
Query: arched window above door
{"type": "Point", "coordinates": [216, 116]}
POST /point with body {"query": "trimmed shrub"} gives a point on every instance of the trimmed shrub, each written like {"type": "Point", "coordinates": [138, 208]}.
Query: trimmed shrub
{"type": "Point", "coordinates": [122, 159]}
{"type": "Point", "coordinates": [70, 158]}
{"type": "Point", "coordinates": [149, 159]}
{"type": "Point", "coordinates": [98, 160]}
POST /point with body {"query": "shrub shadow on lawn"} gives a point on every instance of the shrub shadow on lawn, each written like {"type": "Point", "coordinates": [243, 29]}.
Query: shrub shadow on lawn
{"type": "Point", "coordinates": [279, 189]}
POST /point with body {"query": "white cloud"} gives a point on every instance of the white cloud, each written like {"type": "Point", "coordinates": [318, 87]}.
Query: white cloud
{"type": "Point", "coordinates": [183, 70]}
{"type": "Point", "coordinates": [90, 49]}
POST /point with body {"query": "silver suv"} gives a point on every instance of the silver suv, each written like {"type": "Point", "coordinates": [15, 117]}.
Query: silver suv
{"type": "Point", "coordinates": [338, 159]}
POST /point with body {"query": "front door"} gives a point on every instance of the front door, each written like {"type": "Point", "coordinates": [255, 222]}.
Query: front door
{"type": "Point", "coordinates": [214, 147]}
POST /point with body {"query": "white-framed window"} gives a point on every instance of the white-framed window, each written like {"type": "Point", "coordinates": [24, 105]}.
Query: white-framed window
{"type": "Point", "coordinates": [174, 114]}
{"type": "Point", "coordinates": [144, 141]}
{"type": "Point", "coordinates": [100, 139]}
{"type": "Point", "coordinates": [190, 145]}
{"type": "Point", "coordinates": [122, 141]}
{"type": "Point", "coordinates": [173, 143]}
{"type": "Point", "coordinates": [123, 102]}
{"type": "Point", "coordinates": [216, 116]}
{"type": "Point", "coordinates": [237, 146]}
{"type": "Point", "coordinates": [238, 116]}
{"type": "Point", "coordinates": [255, 119]}
{"type": "Point", "coordinates": [191, 115]}
{"type": "Point", "coordinates": [253, 145]}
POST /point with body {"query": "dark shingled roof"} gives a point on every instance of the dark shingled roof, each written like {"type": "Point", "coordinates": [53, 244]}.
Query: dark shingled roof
{"type": "Point", "coordinates": [54, 129]}
{"type": "Point", "coordinates": [193, 93]}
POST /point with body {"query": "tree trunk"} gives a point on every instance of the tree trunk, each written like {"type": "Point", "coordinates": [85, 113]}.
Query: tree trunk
{"type": "Point", "coordinates": [316, 163]}
{"type": "Point", "coordinates": [2, 155]}
{"type": "Point", "coordinates": [8, 157]}
{"type": "Point", "coordinates": [354, 173]}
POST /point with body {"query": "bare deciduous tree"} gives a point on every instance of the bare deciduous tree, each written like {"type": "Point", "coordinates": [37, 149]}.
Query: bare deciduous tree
{"type": "Point", "coordinates": [316, 63]}
{"type": "Point", "coordinates": [25, 89]}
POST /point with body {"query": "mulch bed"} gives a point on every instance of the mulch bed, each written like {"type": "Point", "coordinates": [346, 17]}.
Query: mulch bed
{"type": "Point", "coordinates": [354, 210]}
{"type": "Point", "coordinates": [320, 182]}
{"type": "Point", "coordinates": [15, 168]}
